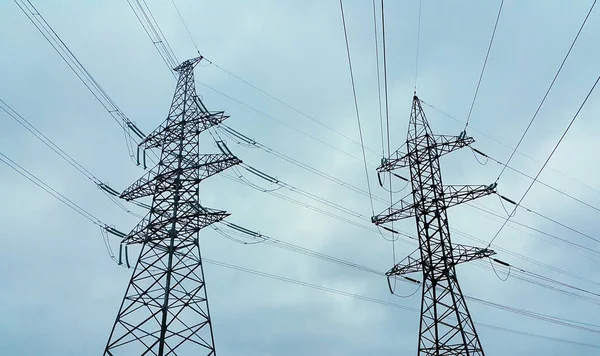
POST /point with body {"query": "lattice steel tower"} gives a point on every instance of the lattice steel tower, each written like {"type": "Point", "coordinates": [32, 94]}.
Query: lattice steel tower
{"type": "Point", "coordinates": [446, 327]}
{"type": "Point", "coordinates": [165, 308]}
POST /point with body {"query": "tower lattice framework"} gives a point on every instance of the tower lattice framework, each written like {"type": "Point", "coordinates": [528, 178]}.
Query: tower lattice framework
{"type": "Point", "coordinates": [165, 308]}
{"type": "Point", "coordinates": [446, 327]}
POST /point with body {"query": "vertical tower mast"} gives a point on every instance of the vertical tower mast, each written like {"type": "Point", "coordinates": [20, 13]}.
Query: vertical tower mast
{"type": "Point", "coordinates": [165, 308]}
{"type": "Point", "coordinates": [446, 327]}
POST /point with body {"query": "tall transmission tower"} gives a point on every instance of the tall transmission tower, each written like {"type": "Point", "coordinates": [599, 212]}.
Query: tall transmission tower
{"type": "Point", "coordinates": [165, 308]}
{"type": "Point", "coordinates": [446, 327]}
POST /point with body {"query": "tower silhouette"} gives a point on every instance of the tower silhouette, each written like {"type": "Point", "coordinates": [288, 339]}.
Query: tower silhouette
{"type": "Point", "coordinates": [446, 327]}
{"type": "Point", "coordinates": [165, 308]}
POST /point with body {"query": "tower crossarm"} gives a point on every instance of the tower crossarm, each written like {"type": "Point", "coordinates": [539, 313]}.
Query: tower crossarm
{"type": "Point", "coordinates": [398, 159]}
{"type": "Point", "coordinates": [461, 254]}
{"type": "Point", "coordinates": [458, 194]}
{"type": "Point", "coordinates": [406, 210]}
{"type": "Point", "coordinates": [443, 144]}
{"type": "Point", "coordinates": [170, 131]}
{"type": "Point", "coordinates": [157, 226]}
{"type": "Point", "coordinates": [465, 253]}
{"type": "Point", "coordinates": [409, 264]}
{"type": "Point", "coordinates": [188, 64]}
{"type": "Point", "coordinates": [207, 165]}
{"type": "Point", "coordinates": [448, 143]}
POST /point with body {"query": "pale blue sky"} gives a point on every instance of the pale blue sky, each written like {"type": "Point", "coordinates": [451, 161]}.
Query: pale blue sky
{"type": "Point", "coordinates": [61, 291]}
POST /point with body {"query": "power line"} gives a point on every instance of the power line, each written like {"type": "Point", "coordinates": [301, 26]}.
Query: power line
{"type": "Point", "coordinates": [251, 142]}
{"type": "Point", "coordinates": [390, 304]}
{"type": "Point", "coordinates": [538, 181]}
{"type": "Point", "coordinates": [328, 213]}
{"type": "Point", "coordinates": [529, 259]}
{"type": "Point", "coordinates": [387, 114]}
{"type": "Point", "coordinates": [312, 118]}
{"type": "Point", "coordinates": [105, 228]}
{"type": "Point", "coordinates": [162, 39]}
{"type": "Point", "coordinates": [553, 281]}
{"type": "Point", "coordinates": [378, 77]}
{"type": "Point", "coordinates": [549, 157]}
{"type": "Point", "coordinates": [304, 193]}
{"type": "Point", "coordinates": [344, 184]}
{"type": "Point", "coordinates": [43, 138]}
{"type": "Point", "coordinates": [538, 336]}
{"type": "Point", "coordinates": [152, 29]}
{"type": "Point", "coordinates": [81, 72]}
{"type": "Point", "coordinates": [418, 45]}
{"type": "Point", "coordinates": [363, 152]}
{"type": "Point", "coordinates": [108, 191]}
{"type": "Point", "coordinates": [541, 282]}
{"type": "Point", "coordinates": [271, 96]}
{"type": "Point", "coordinates": [186, 26]}
{"type": "Point", "coordinates": [520, 278]}
{"type": "Point", "coordinates": [385, 83]}
{"type": "Point", "coordinates": [484, 63]}
{"type": "Point", "coordinates": [509, 147]}
{"type": "Point", "coordinates": [272, 241]}
{"type": "Point", "coordinates": [309, 285]}
{"type": "Point", "coordinates": [549, 88]}
{"type": "Point", "coordinates": [547, 282]}
{"type": "Point", "coordinates": [337, 206]}
{"type": "Point", "coordinates": [243, 139]}
{"type": "Point", "coordinates": [542, 232]}
{"type": "Point", "coordinates": [254, 143]}
{"type": "Point", "coordinates": [480, 152]}
{"type": "Point", "coordinates": [297, 249]}
{"type": "Point", "coordinates": [552, 220]}
{"type": "Point", "coordinates": [48, 189]}
{"type": "Point", "coordinates": [283, 123]}
{"type": "Point", "coordinates": [356, 106]}
{"type": "Point", "coordinates": [593, 328]}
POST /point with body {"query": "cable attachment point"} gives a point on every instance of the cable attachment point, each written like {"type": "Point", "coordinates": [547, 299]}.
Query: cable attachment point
{"type": "Point", "coordinates": [476, 151]}
{"type": "Point", "coordinates": [120, 254]}
{"type": "Point", "coordinates": [381, 182]}
{"type": "Point", "coordinates": [502, 263]}
{"type": "Point", "coordinates": [390, 285]}
{"type": "Point", "coordinates": [502, 197]}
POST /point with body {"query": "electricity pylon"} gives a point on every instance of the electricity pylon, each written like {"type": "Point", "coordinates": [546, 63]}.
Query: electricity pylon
{"type": "Point", "coordinates": [446, 327]}
{"type": "Point", "coordinates": [165, 308]}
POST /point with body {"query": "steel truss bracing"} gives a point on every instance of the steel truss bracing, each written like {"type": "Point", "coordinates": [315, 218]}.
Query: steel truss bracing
{"type": "Point", "coordinates": [165, 308]}
{"type": "Point", "coordinates": [446, 327]}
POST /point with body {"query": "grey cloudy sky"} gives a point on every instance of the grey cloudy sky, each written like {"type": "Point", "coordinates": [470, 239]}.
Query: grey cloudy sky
{"type": "Point", "coordinates": [60, 290]}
